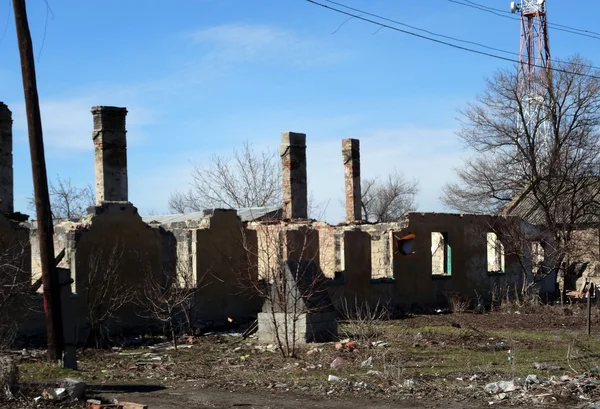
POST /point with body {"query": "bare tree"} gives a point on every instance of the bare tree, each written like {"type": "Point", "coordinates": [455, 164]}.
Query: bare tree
{"type": "Point", "coordinates": [282, 269]}
{"type": "Point", "coordinates": [388, 200]}
{"type": "Point", "coordinates": [106, 292]}
{"type": "Point", "coordinates": [513, 153]}
{"type": "Point", "coordinates": [247, 179]}
{"type": "Point", "coordinates": [168, 297]}
{"type": "Point", "coordinates": [67, 200]}
{"type": "Point", "coordinates": [543, 169]}
{"type": "Point", "coordinates": [15, 288]}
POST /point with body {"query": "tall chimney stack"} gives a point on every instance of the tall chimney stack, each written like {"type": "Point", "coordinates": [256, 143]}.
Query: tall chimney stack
{"type": "Point", "coordinates": [293, 169]}
{"type": "Point", "coordinates": [351, 159]}
{"type": "Point", "coordinates": [6, 160]}
{"type": "Point", "coordinates": [110, 154]}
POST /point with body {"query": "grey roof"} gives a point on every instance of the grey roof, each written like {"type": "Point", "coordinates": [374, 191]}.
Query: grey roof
{"type": "Point", "coordinates": [574, 206]}
{"type": "Point", "coordinates": [246, 215]}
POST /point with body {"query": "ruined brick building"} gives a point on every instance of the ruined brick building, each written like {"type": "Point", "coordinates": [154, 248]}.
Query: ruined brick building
{"type": "Point", "coordinates": [417, 262]}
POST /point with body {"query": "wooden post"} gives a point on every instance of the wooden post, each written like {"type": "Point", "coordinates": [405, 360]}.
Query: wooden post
{"type": "Point", "coordinates": [40, 185]}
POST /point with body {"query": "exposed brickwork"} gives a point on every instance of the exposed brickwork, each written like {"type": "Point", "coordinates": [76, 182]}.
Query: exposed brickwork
{"type": "Point", "coordinates": [6, 160]}
{"type": "Point", "coordinates": [293, 169]}
{"type": "Point", "coordinates": [110, 154]}
{"type": "Point", "coordinates": [328, 251]}
{"type": "Point", "coordinates": [351, 159]}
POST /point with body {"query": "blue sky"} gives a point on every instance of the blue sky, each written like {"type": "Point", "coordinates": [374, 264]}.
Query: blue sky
{"type": "Point", "coordinates": [199, 77]}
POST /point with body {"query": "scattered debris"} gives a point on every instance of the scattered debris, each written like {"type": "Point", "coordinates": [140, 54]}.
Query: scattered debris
{"type": "Point", "coordinates": [409, 383]}
{"type": "Point", "coordinates": [55, 394]}
{"type": "Point", "coordinates": [500, 386]}
{"type": "Point", "coordinates": [346, 345]}
{"type": "Point", "coordinates": [546, 367]}
{"type": "Point", "coordinates": [266, 348]}
{"type": "Point", "coordinates": [367, 362]}
{"type": "Point", "coordinates": [114, 404]}
{"type": "Point", "coordinates": [172, 347]}
{"type": "Point", "coordinates": [337, 362]}
{"type": "Point", "coordinates": [333, 378]}
{"type": "Point", "coordinates": [380, 344]}
{"type": "Point", "coordinates": [75, 388]}
{"type": "Point", "coordinates": [9, 376]}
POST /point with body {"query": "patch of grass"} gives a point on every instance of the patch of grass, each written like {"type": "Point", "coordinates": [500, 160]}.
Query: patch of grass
{"type": "Point", "coordinates": [43, 372]}
{"type": "Point", "coordinates": [449, 352]}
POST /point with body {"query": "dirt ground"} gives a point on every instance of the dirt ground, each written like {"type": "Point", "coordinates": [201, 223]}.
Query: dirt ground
{"type": "Point", "coordinates": [422, 361]}
{"type": "Point", "coordinates": [186, 397]}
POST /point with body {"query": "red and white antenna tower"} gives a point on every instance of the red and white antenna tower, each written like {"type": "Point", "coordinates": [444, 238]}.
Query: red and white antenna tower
{"type": "Point", "coordinates": [534, 66]}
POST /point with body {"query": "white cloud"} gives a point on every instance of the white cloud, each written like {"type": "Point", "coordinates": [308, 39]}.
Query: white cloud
{"type": "Point", "coordinates": [233, 43]}
{"type": "Point", "coordinates": [67, 123]}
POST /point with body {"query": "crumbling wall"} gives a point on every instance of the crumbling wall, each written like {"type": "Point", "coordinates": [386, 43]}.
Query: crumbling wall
{"type": "Point", "coordinates": [467, 273]}
{"type": "Point", "coordinates": [278, 242]}
{"type": "Point", "coordinates": [111, 254]}
{"type": "Point", "coordinates": [329, 249]}
{"type": "Point", "coordinates": [357, 272]}
{"type": "Point", "coordinates": [114, 233]}
{"type": "Point", "coordinates": [15, 249]}
{"type": "Point", "coordinates": [15, 279]}
{"type": "Point", "coordinates": [60, 240]}
{"type": "Point", "coordinates": [226, 268]}
{"type": "Point", "coordinates": [586, 248]}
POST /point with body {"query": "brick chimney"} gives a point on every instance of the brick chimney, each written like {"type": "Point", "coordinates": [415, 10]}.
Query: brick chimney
{"type": "Point", "coordinates": [6, 160]}
{"type": "Point", "coordinates": [110, 154]}
{"type": "Point", "coordinates": [351, 159]}
{"type": "Point", "coordinates": [293, 168]}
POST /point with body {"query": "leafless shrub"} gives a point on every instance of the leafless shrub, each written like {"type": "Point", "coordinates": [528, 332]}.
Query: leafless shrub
{"type": "Point", "coordinates": [106, 291]}
{"type": "Point", "coordinates": [363, 321]}
{"type": "Point", "coordinates": [15, 289]}
{"type": "Point", "coordinates": [581, 357]}
{"type": "Point", "coordinates": [168, 297]}
{"type": "Point", "coordinates": [459, 303]}
{"type": "Point", "coordinates": [282, 269]}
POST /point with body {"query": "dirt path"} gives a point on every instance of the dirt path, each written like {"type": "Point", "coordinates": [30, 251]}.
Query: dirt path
{"type": "Point", "coordinates": [186, 397]}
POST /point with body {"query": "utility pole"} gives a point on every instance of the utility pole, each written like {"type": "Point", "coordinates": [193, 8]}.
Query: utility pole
{"type": "Point", "coordinates": [40, 185]}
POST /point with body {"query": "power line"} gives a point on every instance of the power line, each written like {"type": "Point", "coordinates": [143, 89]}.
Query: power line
{"type": "Point", "coordinates": [555, 26]}
{"type": "Point", "coordinates": [7, 21]}
{"type": "Point", "coordinates": [48, 13]}
{"type": "Point", "coordinates": [419, 29]}
{"type": "Point", "coordinates": [459, 47]}
{"type": "Point", "coordinates": [361, 12]}
{"type": "Point", "coordinates": [487, 7]}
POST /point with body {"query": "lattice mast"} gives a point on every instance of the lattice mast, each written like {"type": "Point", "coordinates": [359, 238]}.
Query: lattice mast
{"type": "Point", "coordinates": [534, 68]}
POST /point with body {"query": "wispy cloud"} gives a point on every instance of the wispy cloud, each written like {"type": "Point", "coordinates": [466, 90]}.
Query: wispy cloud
{"type": "Point", "coordinates": [67, 122]}
{"type": "Point", "coordinates": [233, 43]}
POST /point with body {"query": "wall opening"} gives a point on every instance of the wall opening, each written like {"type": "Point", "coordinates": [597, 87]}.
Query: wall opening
{"type": "Point", "coordinates": [537, 258]}
{"type": "Point", "coordinates": [495, 254]}
{"type": "Point", "coordinates": [441, 254]}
